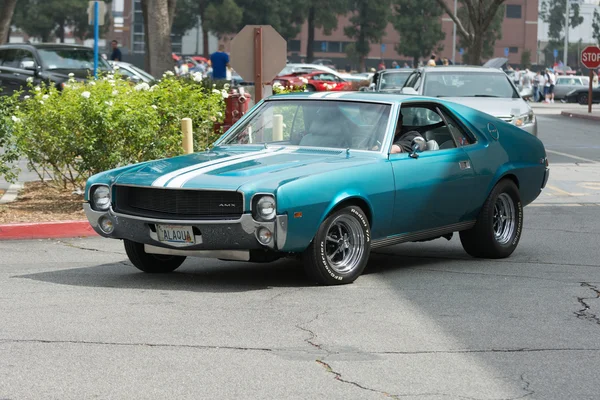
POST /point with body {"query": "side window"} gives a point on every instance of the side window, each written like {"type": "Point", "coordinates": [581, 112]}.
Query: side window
{"type": "Point", "coordinates": [458, 134]}
{"type": "Point", "coordinates": [3, 55]}
{"type": "Point", "coordinates": [25, 59]}
{"type": "Point", "coordinates": [9, 58]}
{"type": "Point", "coordinates": [410, 82]}
{"type": "Point", "coordinates": [418, 82]}
{"type": "Point", "coordinates": [427, 120]}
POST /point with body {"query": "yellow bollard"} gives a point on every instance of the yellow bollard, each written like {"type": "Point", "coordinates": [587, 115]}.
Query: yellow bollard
{"type": "Point", "coordinates": [188, 135]}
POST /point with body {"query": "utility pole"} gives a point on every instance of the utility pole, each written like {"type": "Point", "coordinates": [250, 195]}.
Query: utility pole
{"type": "Point", "coordinates": [566, 50]}
{"type": "Point", "coordinates": [454, 36]}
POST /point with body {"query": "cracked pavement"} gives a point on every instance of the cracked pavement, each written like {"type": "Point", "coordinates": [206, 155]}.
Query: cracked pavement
{"type": "Point", "coordinates": [425, 321]}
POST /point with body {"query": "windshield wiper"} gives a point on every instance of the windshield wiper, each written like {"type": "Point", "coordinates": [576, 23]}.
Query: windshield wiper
{"type": "Point", "coordinates": [483, 95]}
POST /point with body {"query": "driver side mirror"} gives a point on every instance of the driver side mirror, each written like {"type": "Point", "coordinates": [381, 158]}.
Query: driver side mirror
{"type": "Point", "coordinates": [29, 66]}
{"type": "Point", "coordinates": [409, 90]}
{"type": "Point", "coordinates": [418, 145]}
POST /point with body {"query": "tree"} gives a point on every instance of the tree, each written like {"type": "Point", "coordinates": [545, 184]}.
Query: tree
{"type": "Point", "coordinates": [596, 26]}
{"type": "Point", "coordinates": [223, 17]}
{"type": "Point", "coordinates": [491, 34]}
{"type": "Point", "coordinates": [418, 24]}
{"type": "Point", "coordinates": [367, 25]}
{"type": "Point", "coordinates": [553, 13]}
{"type": "Point", "coordinates": [7, 8]}
{"type": "Point", "coordinates": [157, 28]}
{"type": "Point", "coordinates": [324, 15]}
{"type": "Point", "coordinates": [285, 16]}
{"type": "Point", "coordinates": [479, 17]}
{"type": "Point", "coordinates": [45, 18]}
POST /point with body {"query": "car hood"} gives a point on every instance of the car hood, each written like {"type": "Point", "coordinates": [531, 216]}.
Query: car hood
{"type": "Point", "coordinates": [494, 106]}
{"type": "Point", "coordinates": [229, 168]}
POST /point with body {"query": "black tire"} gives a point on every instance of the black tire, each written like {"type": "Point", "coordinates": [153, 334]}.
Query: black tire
{"type": "Point", "coordinates": [353, 235]}
{"type": "Point", "coordinates": [311, 88]}
{"type": "Point", "coordinates": [582, 99]}
{"type": "Point", "coordinates": [151, 263]}
{"type": "Point", "coordinates": [489, 240]}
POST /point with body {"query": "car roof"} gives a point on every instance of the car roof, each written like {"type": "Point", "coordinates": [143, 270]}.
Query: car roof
{"type": "Point", "coordinates": [396, 70]}
{"type": "Point", "coordinates": [43, 46]}
{"type": "Point", "coordinates": [371, 97]}
{"type": "Point", "coordinates": [461, 68]}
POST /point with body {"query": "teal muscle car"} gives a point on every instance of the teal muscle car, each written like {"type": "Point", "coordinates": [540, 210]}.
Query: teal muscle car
{"type": "Point", "coordinates": [313, 175]}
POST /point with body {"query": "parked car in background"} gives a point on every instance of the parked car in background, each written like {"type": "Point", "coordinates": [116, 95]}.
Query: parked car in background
{"type": "Point", "coordinates": [132, 72]}
{"type": "Point", "coordinates": [565, 84]}
{"type": "Point", "coordinates": [317, 81]}
{"type": "Point", "coordinates": [485, 89]}
{"type": "Point", "coordinates": [312, 176]}
{"type": "Point", "coordinates": [295, 68]}
{"type": "Point", "coordinates": [389, 80]}
{"type": "Point", "coordinates": [49, 63]}
{"type": "Point", "coordinates": [581, 95]}
{"type": "Point", "coordinates": [324, 61]}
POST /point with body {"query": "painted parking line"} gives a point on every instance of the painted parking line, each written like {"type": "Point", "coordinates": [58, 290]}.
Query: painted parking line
{"type": "Point", "coordinates": [558, 153]}
{"type": "Point", "coordinates": [561, 192]}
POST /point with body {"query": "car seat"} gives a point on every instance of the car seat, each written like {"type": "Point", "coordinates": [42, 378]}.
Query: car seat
{"type": "Point", "coordinates": [325, 131]}
{"type": "Point", "coordinates": [432, 145]}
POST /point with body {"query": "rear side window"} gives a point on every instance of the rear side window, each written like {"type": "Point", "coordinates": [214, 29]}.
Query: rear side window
{"type": "Point", "coordinates": [16, 58]}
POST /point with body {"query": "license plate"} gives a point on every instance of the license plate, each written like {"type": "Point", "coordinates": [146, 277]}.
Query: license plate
{"type": "Point", "coordinates": [175, 234]}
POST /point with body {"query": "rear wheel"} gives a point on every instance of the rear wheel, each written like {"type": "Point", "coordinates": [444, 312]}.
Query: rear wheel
{"type": "Point", "coordinates": [497, 231]}
{"type": "Point", "coordinates": [582, 99]}
{"type": "Point", "coordinates": [340, 250]}
{"type": "Point", "coordinates": [151, 263]}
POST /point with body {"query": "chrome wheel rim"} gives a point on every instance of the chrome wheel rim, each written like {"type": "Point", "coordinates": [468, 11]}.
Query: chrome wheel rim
{"type": "Point", "coordinates": [344, 244]}
{"type": "Point", "coordinates": [504, 218]}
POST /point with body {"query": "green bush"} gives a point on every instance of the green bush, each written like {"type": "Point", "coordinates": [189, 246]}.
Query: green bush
{"type": "Point", "coordinates": [90, 127]}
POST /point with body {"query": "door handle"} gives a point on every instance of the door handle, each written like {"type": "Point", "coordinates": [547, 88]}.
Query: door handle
{"type": "Point", "coordinates": [464, 164]}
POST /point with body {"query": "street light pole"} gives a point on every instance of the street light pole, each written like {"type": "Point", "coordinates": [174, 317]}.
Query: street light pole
{"type": "Point", "coordinates": [454, 37]}
{"type": "Point", "coordinates": [566, 50]}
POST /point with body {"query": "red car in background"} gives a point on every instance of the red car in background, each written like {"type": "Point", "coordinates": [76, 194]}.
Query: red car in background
{"type": "Point", "coordinates": [316, 81]}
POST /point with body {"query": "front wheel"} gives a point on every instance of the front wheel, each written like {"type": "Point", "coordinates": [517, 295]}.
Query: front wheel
{"type": "Point", "coordinates": [151, 263]}
{"type": "Point", "coordinates": [340, 250]}
{"type": "Point", "coordinates": [497, 231]}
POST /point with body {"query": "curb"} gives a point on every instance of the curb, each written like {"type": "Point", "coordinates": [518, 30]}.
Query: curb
{"type": "Point", "coordinates": [11, 193]}
{"type": "Point", "coordinates": [580, 115]}
{"type": "Point", "coordinates": [46, 230]}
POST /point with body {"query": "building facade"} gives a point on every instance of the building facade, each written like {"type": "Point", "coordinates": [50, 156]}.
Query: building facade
{"type": "Point", "coordinates": [519, 33]}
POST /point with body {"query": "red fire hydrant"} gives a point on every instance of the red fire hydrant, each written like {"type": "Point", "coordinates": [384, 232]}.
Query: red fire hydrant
{"type": "Point", "coordinates": [236, 105]}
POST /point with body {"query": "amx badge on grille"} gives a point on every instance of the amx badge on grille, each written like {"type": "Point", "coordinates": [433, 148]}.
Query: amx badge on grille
{"type": "Point", "coordinates": [227, 205]}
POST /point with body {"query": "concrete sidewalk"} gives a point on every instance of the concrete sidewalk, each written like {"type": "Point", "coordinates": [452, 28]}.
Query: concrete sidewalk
{"type": "Point", "coordinates": [567, 109]}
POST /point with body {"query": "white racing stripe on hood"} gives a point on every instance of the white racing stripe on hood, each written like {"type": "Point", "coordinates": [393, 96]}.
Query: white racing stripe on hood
{"type": "Point", "coordinates": [184, 178]}
{"type": "Point", "coordinates": [162, 180]}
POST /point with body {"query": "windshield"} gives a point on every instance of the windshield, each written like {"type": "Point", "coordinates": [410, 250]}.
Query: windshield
{"type": "Point", "coordinates": [141, 72]}
{"type": "Point", "coordinates": [70, 58]}
{"type": "Point", "coordinates": [308, 123]}
{"type": "Point", "coordinates": [468, 84]}
{"type": "Point", "coordinates": [392, 80]}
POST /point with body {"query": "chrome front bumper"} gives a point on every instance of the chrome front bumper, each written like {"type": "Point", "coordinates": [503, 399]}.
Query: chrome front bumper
{"type": "Point", "coordinates": [210, 235]}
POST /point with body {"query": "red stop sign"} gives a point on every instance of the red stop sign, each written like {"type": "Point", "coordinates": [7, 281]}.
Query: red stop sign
{"type": "Point", "coordinates": [590, 57]}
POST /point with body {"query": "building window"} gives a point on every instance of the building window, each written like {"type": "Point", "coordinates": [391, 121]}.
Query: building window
{"type": "Point", "coordinates": [320, 45]}
{"type": "Point", "coordinates": [513, 50]}
{"type": "Point", "coordinates": [334, 47]}
{"type": "Point", "coordinates": [345, 45]}
{"type": "Point", "coordinates": [513, 11]}
{"type": "Point", "coordinates": [294, 45]}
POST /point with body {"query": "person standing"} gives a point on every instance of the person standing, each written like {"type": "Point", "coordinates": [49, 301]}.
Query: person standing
{"type": "Point", "coordinates": [552, 78]}
{"type": "Point", "coordinates": [536, 87]}
{"type": "Point", "coordinates": [219, 61]}
{"type": "Point", "coordinates": [116, 53]}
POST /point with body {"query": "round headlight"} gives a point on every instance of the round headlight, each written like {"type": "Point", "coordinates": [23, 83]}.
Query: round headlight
{"type": "Point", "coordinates": [101, 198]}
{"type": "Point", "coordinates": [265, 206]}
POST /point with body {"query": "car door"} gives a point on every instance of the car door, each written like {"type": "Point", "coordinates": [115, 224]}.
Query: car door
{"type": "Point", "coordinates": [563, 86]}
{"type": "Point", "coordinates": [431, 191]}
{"type": "Point", "coordinates": [17, 67]}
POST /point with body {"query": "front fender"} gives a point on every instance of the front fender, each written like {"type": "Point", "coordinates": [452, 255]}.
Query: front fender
{"type": "Point", "coordinates": [308, 201]}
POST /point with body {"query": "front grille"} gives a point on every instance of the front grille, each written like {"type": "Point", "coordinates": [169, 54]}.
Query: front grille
{"type": "Point", "coordinates": [177, 203]}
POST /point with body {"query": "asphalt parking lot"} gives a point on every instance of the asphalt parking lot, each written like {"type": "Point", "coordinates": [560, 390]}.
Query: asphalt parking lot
{"type": "Point", "coordinates": [426, 321]}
